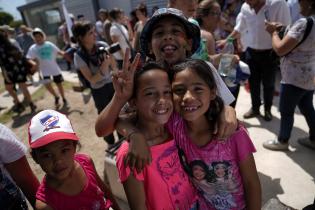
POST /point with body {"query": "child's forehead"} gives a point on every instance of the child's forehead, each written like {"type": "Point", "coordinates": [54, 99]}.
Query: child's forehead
{"type": "Point", "coordinates": [166, 21]}
{"type": "Point", "coordinates": [56, 144]}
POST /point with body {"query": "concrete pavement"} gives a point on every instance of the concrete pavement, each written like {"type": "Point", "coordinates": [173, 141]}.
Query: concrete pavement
{"type": "Point", "coordinates": [288, 176]}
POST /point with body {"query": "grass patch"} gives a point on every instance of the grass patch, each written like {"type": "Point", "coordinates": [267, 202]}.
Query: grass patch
{"type": "Point", "coordinates": [2, 88]}
{"type": "Point", "coordinates": [36, 96]}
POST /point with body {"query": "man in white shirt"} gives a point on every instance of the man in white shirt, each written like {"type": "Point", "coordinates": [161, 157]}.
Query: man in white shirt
{"type": "Point", "coordinates": [259, 55]}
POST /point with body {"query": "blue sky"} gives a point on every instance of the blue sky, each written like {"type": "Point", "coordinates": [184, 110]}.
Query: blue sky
{"type": "Point", "coordinates": [10, 7]}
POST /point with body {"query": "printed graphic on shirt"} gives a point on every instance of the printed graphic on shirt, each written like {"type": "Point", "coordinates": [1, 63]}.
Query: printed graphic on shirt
{"type": "Point", "coordinates": [173, 175]}
{"type": "Point", "coordinates": [45, 52]}
{"type": "Point", "coordinates": [215, 183]}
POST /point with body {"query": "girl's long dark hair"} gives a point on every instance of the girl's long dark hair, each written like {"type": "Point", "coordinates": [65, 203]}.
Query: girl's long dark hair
{"type": "Point", "coordinates": [204, 71]}
{"type": "Point", "coordinates": [79, 30]}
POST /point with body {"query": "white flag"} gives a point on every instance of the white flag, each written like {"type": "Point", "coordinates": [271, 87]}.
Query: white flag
{"type": "Point", "coordinates": [67, 18]}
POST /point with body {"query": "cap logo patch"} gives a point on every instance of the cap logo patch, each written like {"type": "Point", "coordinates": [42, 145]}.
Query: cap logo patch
{"type": "Point", "coordinates": [50, 122]}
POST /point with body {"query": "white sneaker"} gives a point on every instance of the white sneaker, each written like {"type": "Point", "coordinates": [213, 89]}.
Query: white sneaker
{"type": "Point", "coordinates": [276, 145]}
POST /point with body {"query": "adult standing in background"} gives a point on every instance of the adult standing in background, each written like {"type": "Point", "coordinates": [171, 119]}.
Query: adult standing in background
{"type": "Point", "coordinates": [25, 38]}
{"type": "Point", "coordinates": [16, 174]}
{"type": "Point", "coordinates": [94, 66]}
{"type": "Point", "coordinates": [259, 55]}
{"type": "Point", "coordinates": [13, 65]}
{"type": "Point", "coordinates": [119, 33]}
{"type": "Point", "coordinates": [188, 7]}
{"type": "Point", "coordinates": [99, 25]}
{"type": "Point", "coordinates": [142, 15]}
{"type": "Point", "coordinates": [298, 76]}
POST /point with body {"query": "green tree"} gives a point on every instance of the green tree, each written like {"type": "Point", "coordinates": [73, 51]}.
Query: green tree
{"type": "Point", "coordinates": [16, 23]}
{"type": "Point", "coordinates": [5, 18]}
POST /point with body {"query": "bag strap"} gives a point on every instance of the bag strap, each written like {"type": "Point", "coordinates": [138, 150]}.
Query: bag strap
{"type": "Point", "coordinates": [123, 35]}
{"type": "Point", "coordinates": [309, 25]}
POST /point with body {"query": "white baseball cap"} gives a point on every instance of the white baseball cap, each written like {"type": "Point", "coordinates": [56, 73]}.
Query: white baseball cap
{"type": "Point", "coordinates": [48, 126]}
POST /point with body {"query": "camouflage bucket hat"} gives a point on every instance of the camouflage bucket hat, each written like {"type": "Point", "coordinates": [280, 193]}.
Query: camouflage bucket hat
{"type": "Point", "coordinates": [192, 30]}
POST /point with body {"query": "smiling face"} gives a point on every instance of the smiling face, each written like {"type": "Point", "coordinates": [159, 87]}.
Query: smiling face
{"type": "Point", "coordinates": [169, 41]}
{"type": "Point", "coordinates": [57, 159]}
{"type": "Point", "coordinates": [220, 170]}
{"type": "Point", "coordinates": [153, 98]}
{"type": "Point", "coordinates": [198, 172]}
{"type": "Point", "coordinates": [39, 38]}
{"type": "Point", "coordinates": [191, 95]}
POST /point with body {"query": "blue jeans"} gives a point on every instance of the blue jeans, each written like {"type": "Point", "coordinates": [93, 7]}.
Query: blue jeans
{"type": "Point", "coordinates": [290, 97]}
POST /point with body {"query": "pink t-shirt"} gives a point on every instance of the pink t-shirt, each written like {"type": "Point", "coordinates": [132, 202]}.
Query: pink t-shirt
{"type": "Point", "coordinates": [214, 168]}
{"type": "Point", "coordinates": [91, 197]}
{"type": "Point", "coordinates": [166, 184]}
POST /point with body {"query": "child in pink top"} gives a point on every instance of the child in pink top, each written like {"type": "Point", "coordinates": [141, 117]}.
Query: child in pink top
{"type": "Point", "coordinates": [71, 181]}
{"type": "Point", "coordinates": [223, 172]}
{"type": "Point", "coordinates": [163, 184]}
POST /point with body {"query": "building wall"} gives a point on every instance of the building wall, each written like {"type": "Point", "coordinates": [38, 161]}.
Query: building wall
{"type": "Point", "coordinates": [129, 5]}
{"type": "Point", "coordinates": [150, 4]}
{"type": "Point", "coordinates": [122, 4]}
{"type": "Point", "coordinates": [84, 7]}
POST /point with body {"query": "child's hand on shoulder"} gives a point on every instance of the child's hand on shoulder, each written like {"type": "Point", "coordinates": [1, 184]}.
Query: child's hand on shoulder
{"type": "Point", "coordinates": [227, 124]}
{"type": "Point", "coordinates": [139, 152]}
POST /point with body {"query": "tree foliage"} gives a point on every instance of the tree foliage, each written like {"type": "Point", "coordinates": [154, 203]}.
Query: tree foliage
{"type": "Point", "coordinates": [5, 18]}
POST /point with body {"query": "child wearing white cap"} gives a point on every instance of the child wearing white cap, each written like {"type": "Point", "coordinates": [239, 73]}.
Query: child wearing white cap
{"type": "Point", "coordinates": [71, 180]}
{"type": "Point", "coordinates": [44, 53]}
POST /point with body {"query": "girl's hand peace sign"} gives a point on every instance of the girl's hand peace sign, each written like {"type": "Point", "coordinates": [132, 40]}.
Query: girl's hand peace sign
{"type": "Point", "coordinates": [123, 79]}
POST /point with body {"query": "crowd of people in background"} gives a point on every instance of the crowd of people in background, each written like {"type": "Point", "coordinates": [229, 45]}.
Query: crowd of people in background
{"type": "Point", "coordinates": [178, 50]}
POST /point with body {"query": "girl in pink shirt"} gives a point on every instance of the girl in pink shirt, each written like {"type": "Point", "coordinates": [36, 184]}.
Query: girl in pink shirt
{"type": "Point", "coordinates": [223, 172]}
{"type": "Point", "coordinates": [162, 184]}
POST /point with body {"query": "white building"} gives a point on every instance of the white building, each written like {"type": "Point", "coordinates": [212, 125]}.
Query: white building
{"type": "Point", "coordinates": [47, 14]}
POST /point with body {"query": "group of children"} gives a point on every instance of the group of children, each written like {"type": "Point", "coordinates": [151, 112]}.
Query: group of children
{"type": "Point", "coordinates": [190, 166]}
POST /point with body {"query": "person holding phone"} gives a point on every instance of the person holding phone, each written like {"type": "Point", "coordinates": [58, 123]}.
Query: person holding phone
{"type": "Point", "coordinates": [259, 54]}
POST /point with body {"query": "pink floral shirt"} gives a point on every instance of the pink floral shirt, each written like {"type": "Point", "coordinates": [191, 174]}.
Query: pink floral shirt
{"type": "Point", "coordinates": [166, 184]}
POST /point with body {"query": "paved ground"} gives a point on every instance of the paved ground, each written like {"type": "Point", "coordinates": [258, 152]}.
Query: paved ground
{"type": "Point", "coordinates": [288, 176]}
